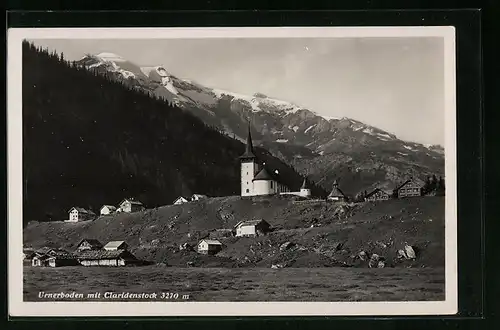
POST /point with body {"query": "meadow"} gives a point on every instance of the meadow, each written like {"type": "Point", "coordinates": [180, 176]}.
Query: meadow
{"type": "Point", "coordinates": [238, 284]}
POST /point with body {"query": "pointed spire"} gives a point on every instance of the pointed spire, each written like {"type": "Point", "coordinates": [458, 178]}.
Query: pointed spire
{"type": "Point", "coordinates": [335, 183]}
{"type": "Point", "coordinates": [249, 147]}
{"type": "Point", "coordinates": [304, 184]}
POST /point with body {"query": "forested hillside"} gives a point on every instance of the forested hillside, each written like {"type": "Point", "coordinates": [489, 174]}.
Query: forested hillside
{"type": "Point", "coordinates": [89, 140]}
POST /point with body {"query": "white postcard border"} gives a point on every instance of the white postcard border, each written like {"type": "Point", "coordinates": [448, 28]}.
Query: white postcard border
{"type": "Point", "coordinates": [17, 307]}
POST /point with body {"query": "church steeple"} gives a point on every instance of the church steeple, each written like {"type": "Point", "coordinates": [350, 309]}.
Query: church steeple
{"type": "Point", "coordinates": [249, 147]}
{"type": "Point", "coordinates": [304, 184]}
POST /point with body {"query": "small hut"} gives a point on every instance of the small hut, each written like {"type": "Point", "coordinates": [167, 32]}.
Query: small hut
{"type": "Point", "coordinates": [337, 194]}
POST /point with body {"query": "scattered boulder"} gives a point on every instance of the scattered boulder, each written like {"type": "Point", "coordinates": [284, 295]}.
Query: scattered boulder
{"type": "Point", "coordinates": [374, 260]}
{"type": "Point", "coordinates": [190, 263]}
{"type": "Point", "coordinates": [338, 246]}
{"type": "Point", "coordinates": [381, 264]}
{"type": "Point", "coordinates": [286, 246]}
{"type": "Point", "coordinates": [401, 254]}
{"type": "Point", "coordinates": [381, 244]}
{"type": "Point", "coordinates": [277, 266]}
{"type": "Point", "coordinates": [410, 252]}
{"type": "Point", "coordinates": [363, 255]}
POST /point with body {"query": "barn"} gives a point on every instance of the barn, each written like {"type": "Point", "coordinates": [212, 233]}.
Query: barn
{"type": "Point", "coordinates": [209, 246]}
{"type": "Point", "coordinates": [409, 188]}
{"type": "Point", "coordinates": [198, 197]}
{"type": "Point", "coordinates": [252, 228]}
{"type": "Point", "coordinates": [130, 205]}
{"type": "Point", "coordinates": [109, 258]}
{"type": "Point", "coordinates": [80, 214]}
{"type": "Point", "coordinates": [40, 260]}
{"type": "Point", "coordinates": [107, 209]}
{"type": "Point", "coordinates": [377, 195]}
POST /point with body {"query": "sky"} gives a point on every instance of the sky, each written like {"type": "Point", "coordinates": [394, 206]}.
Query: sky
{"type": "Point", "coordinates": [395, 84]}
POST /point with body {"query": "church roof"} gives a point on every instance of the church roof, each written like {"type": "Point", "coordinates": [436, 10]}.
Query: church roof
{"type": "Point", "coordinates": [263, 175]}
{"type": "Point", "coordinates": [249, 147]}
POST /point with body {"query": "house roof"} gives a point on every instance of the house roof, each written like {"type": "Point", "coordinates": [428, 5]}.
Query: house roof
{"type": "Point", "coordinates": [249, 147]}
{"type": "Point", "coordinates": [375, 191]}
{"type": "Point", "coordinates": [180, 197]}
{"type": "Point", "coordinates": [81, 210]}
{"type": "Point", "coordinates": [103, 254]}
{"type": "Point", "coordinates": [111, 207]}
{"type": "Point", "coordinates": [114, 244]}
{"type": "Point", "coordinates": [211, 241]}
{"type": "Point", "coordinates": [336, 192]}
{"type": "Point", "coordinates": [250, 223]}
{"type": "Point", "coordinates": [66, 256]}
{"type": "Point", "coordinates": [406, 182]}
{"type": "Point", "coordinates": [131, 201]}
{"type": "Point", "coordinates": [92, 241]}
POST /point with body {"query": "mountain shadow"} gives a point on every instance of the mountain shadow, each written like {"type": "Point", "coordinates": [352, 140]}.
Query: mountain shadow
{"type": "Point", "coordinates": [90, 140]}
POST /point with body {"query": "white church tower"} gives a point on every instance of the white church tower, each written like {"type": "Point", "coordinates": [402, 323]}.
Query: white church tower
{"type": "Point", "coordinates": [249, 168]}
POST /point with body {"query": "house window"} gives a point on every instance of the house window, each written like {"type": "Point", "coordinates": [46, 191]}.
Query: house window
{"type": "Point", "coordinates": [271, 185]}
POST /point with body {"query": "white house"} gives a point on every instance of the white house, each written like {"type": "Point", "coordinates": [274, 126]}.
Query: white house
{"type": "Point", "coordinates": [252, 228]}
{"type": "Point", "coordinates": [107, 209]}
{"type": "Point", "coordinates": [197, 197]}
{"type": "Point", "coordinates": [80, 214]}
{"type": "Point", "coordinates": [304, 190]}
{"type": "Point", "coordinates": [256, 180]}
{"type": "Point", "coordinates": [180, 200]}
{"type": "Point", "coordinates": [209, 246]}
{"type": "Point", "coordinates": [130, 205]}
{"type": "Point", "coordinates": [115, 245]}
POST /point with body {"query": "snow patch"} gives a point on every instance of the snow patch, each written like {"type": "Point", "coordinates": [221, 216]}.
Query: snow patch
{"type": "Point", "coordinates": [321, 153]}
{"type": "Point", "coordinates": [295, 128]}
{"type": "Point", "coordinates": [402, 153]}
{"type": "Point", "coordinates": [384, 135]}
{"type": "Point", "coordinates": [368, 131]}
{"type": "Point", "coordinates": [309, 128]}
{"type": "Point", "coordinates": [408, 148]}
{"type": "Point", "coordinates": [167, 83]}
{"type": "Point", "coordinates": [282, 140]}
{"type": "Point", "coordinates": [111, 57]}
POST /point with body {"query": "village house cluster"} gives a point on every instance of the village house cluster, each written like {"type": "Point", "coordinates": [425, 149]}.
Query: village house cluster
{"type": "Point", "coordinates": [89, 252]}
{"type": "Point", "coordinates": [128, 205]}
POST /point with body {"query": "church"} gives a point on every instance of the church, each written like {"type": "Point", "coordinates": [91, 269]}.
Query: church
{"type": "Point", "coordinates": [256, 180]}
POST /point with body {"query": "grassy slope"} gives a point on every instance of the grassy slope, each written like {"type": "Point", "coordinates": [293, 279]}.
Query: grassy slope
{"type": "Point", "coordinates": [156, 233]}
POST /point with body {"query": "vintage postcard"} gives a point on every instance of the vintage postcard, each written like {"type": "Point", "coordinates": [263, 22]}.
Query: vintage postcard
{"type": "Point", "coordinates": [232, 171]}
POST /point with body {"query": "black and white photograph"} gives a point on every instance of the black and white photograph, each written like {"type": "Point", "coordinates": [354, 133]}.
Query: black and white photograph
{"type": "Point", "coordinates": [259, 166]}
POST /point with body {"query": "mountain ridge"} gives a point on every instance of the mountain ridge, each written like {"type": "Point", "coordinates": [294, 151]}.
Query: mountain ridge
{"type": "Point", "coordinates": [314, 145]}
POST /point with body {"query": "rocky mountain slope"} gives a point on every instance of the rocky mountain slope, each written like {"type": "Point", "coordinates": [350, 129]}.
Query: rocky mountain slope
{"type": "Point", "coordinates": [323, 148]}
{"type": "Point", "coordinates": [316, 233]}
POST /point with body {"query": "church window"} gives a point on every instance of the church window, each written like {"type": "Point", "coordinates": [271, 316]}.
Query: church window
{"type": "Point", "coordinates": [248, 191]}
{"type": "Point", "coordinates": [271, 184]}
